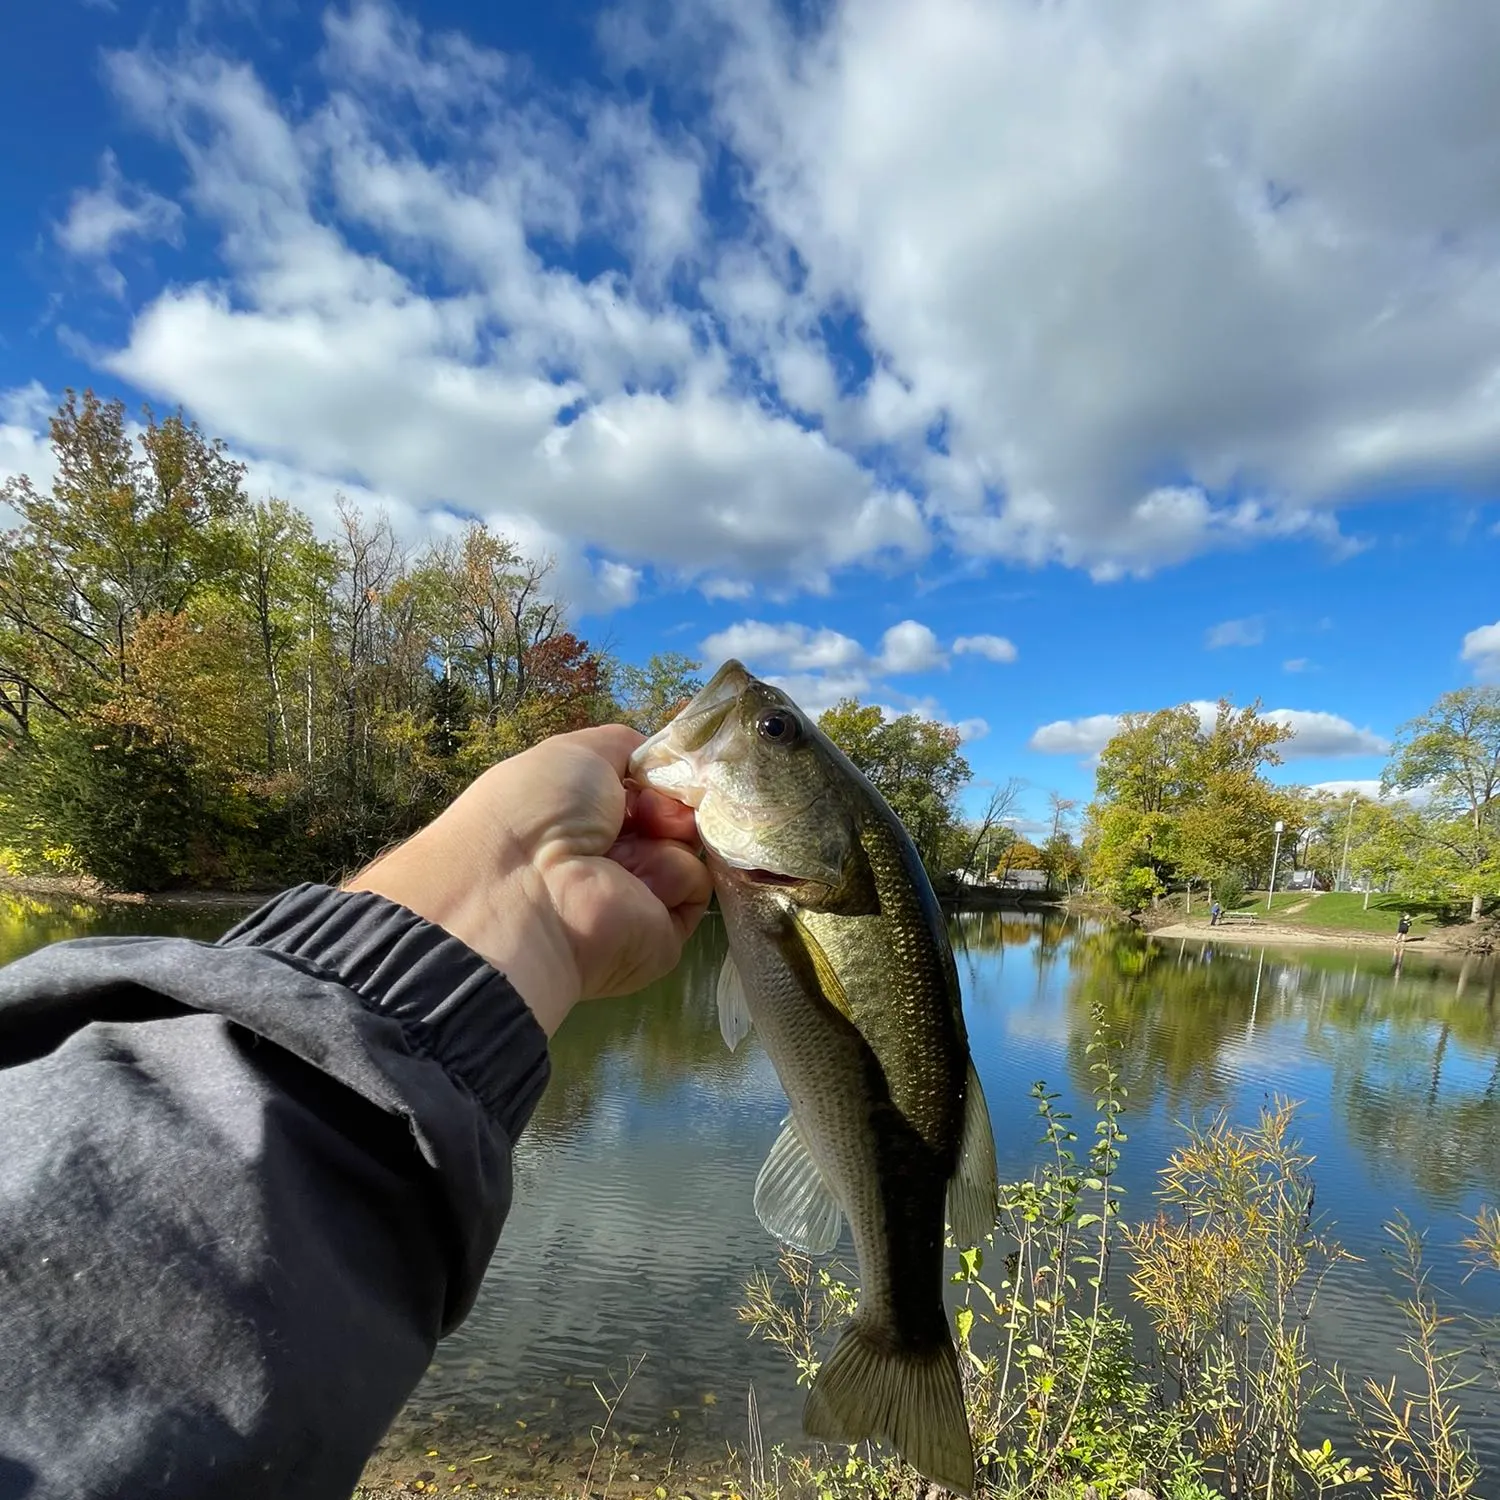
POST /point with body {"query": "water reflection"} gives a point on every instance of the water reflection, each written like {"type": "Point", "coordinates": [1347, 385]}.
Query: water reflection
{"type": "Point", "coordinates": [633, 1230]}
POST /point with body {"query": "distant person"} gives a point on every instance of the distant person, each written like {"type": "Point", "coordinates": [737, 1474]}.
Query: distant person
{"type": "Point", "coordinates": [246, 1186]}
{"type": "Point", "coordinates": [1402, 928]}
{"type": "Point", "coordinates": [1214, 913]}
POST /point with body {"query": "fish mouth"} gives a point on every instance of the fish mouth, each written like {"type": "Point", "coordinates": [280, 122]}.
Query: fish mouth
{"type": "Point", "coordinates": [669, 752]}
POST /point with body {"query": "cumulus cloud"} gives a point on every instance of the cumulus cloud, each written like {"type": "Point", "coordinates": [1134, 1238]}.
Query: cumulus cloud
{"type": "Point", "coordinates": [818, 666]}
{"type": "Point", "coordinates": [908, 648]}
{"type": "Point", "coordinates": [1315, 735]}
{"type": "Point", "coordinates": [1481, 649]}
{"type": "Point", "coordinates": [1143, 241]}
{"type": "Point", "coordinates": [1086, 736]}
{"type": "Point", "coordinates": [1235, 633]}
{"type": "Point", "coordinates": [1089, 251]}
{"type": "Point", "coordinates": [991, 647]}
{"type": "Point", "coordinates": [800, 648]}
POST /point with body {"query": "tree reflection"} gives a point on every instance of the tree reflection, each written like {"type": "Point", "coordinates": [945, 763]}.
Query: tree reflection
{"type": "Point", "coordinates": [1412, 1058]}
{"type": "Point", "coordinates": [650, 1043]}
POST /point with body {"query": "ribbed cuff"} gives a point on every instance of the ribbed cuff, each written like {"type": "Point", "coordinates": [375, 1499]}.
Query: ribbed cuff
{"type": "Point", "coordinates": [452, 1005]}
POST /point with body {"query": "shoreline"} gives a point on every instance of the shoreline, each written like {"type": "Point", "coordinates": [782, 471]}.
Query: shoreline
{"type": "Point", "coordinates": [79, 888]}
{"type": "Point", "coordinates": [1276, 934]}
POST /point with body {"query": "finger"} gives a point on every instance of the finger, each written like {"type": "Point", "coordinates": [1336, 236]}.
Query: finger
{"type": "Point", "coordinates": [612, 742]}
{"type": "Point", "coordinates": [671, 871]}
{"type": "Point", "coordinates": [657, 816]}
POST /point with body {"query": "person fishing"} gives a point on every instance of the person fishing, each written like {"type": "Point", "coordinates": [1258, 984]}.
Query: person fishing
{"type": "Point", "coordinates": [246, 1186]}
{"type": "Point", "coordinates": [1402, 928]}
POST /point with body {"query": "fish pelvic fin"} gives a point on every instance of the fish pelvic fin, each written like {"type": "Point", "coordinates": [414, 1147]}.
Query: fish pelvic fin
{"type": "Point", "coordinates": [734, 1008]}
{"type": "Point", "coordinates": [793, 1200]}
{"type": "Point", "coordinates": [912, 1398]}
{"type": "Point", "coordinates": [973, 1190]}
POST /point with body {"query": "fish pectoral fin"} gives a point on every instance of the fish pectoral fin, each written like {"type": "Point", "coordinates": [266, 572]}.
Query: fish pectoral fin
{"type": "Point", "coordinates": [792, 1199]}
{"type": "Point", "coordinates": [912, 1398]}
{"type": "Point", "coordinates": [974, 1191]}
{"type": "Point", "coordinates": [734, 1008]}
{"type": "Point", "coordinates": [830, 986]}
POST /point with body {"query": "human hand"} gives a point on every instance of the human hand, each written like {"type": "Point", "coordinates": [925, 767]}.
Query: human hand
{"type": "Point", "coordinates": [569, 883]}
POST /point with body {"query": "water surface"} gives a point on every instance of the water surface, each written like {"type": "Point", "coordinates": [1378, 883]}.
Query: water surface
{"type": "Point", "coordinates": [632, 1233]}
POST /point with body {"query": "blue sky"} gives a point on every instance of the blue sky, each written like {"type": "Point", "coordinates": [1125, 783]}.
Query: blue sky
{"type": "Point", "coordinates": [1105, 357]}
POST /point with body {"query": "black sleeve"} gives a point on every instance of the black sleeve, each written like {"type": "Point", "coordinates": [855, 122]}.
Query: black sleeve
{"type": "Point", "coordinates": [244, 1189]}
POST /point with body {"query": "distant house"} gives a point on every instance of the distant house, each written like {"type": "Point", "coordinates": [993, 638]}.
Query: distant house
{"type": "Point", "coordinates": [1024, 880]}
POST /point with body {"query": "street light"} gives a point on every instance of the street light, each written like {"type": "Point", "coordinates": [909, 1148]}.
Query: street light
{"type": "Point", "coordinates": [1275, 855]}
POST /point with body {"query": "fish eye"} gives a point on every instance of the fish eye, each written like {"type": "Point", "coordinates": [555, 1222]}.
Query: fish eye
{"type": "Point", "coordinates": [779, 727]}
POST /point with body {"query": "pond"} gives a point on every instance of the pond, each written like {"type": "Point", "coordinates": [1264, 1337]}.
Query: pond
{"type": "Point", "coordinates": [633, 1234]}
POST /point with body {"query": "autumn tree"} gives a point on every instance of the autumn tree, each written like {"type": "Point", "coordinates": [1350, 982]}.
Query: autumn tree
{"type": "Point", "coordinates": [133, 525]}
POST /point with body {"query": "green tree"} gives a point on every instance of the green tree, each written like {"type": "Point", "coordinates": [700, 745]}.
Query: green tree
{"type": "Point", "coordinates": [1452, 754]}
{"type": "Point", "coordinates": [916, 765]}
{"type": "Point", "coordinates": [1177, 801]}
{"type": "Point", "coordinates": [132, 526]}
{"type": "Point", "coordinates": [650, 696]}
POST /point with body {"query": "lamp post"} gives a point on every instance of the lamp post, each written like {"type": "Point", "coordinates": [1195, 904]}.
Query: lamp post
{"type": "Point", "coordinates": [1275, 856]}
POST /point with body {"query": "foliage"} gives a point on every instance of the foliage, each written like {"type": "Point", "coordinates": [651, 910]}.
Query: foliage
{"type": "Point", "coordinates": [915, 764]}
{"type": "Point", "coordinates": [1177, 801]}
{"type": "Point", "coordinates": [195, 687]}
{"type": "Point", "coordinates": [1229, 1270]}
{"type": "Point", "coordinates": [651, 695]}
{"type": "Point", "coordinates": [1452, 754]}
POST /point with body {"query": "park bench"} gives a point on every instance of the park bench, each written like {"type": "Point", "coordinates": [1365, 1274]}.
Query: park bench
{"type": "Point", "coordinates": [1237, 916]}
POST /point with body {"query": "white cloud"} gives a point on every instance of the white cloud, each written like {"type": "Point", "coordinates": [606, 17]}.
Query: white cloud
{"type": "Point", "coordinates": [1087, 736]}
{"type": "Point", "coordinates": [1148, 245]}
{"type": "Point", "coordinates": [992, 647]}
{"type": "Point", "coordinates": [1249, 632]}
{"type": "Point", "coordinates": [1365, 786]}
{"type": "Point", "coordinates": [798, 647]}
{"type": "Point", "coordinates": [908, 648]}
{"type": "Point", "coordinates": [1318, 735]}
{"type": "Point", "coordinates": [1299, 664]}
{"type": "Point", "coordinates": [818, 666]}
{"type": "Point", "coordinates": [99, 220]}
{"type": "Point", "coordinates": [24, 448]}
{"type": "Point", "coordinates": [1482, 650]}
{"type": "Point", "coordinates": [1315, 735]}
{"type": "Point", "coordinates": [972, 729]}
{"type": "Point", "coordinates": [1092, 248]}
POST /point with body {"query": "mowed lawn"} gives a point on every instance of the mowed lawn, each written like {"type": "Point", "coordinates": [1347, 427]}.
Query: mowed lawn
{"type": "Point", "coordinates": [1344, 911]}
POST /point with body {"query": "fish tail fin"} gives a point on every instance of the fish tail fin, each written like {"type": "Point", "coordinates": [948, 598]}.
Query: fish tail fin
{"type": "Point", "coordinates": [912, 1398]}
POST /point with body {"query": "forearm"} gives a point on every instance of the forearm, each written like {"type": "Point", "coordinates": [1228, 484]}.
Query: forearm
{"type": "Point", "coordinates": [244, 1190]}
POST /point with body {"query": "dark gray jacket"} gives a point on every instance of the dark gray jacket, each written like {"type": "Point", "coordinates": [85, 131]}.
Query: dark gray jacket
{"type": "Point", "coordinates": [245, 1187]}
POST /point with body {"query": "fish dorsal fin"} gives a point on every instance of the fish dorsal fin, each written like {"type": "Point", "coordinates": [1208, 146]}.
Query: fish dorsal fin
{"type": "Point", "coordinates": [973, 1191]}
{"type": "Point", "coordinates": [734, 1008]}
{"type": "Point", "coordinates": [791, 1198]}
{"type": "Point", "coordinates": [829, 983]}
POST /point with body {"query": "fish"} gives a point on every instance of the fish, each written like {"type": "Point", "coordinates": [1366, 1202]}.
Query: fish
{"type": "Point", "coordinates": [839, 959]}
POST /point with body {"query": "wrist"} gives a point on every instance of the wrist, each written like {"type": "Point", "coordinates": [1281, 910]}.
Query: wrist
{"type": "Point", "coordinates": [504, 913]}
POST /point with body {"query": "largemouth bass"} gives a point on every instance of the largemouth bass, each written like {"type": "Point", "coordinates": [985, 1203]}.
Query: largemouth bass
{"type": "Point", "coordinates": [839, 957]}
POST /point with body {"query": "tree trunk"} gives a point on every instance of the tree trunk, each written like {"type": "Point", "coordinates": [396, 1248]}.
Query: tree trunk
{"type": "Point", "coordinates": [1476, 907]}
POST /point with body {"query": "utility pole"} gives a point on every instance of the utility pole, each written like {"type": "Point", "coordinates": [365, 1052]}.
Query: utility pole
{"type": "Point", "coordinates": [1276, 855]}
{"type": "Point", "coordinates": [1348, 829]}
